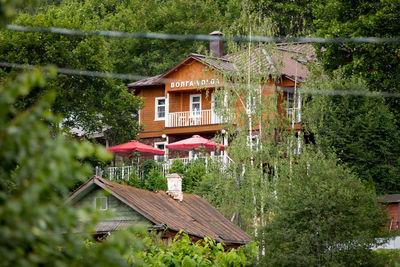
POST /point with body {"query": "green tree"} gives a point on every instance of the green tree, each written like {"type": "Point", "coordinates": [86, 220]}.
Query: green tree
{"type": "Point", "coordinates": [377, 64]}
{"type": "Point", "coordinates": [361, 130]}
{"type": "Point", "coordinates": [36, 171]}
{"type": "Point", "coordinates": [90, 103]}
{"type": "Point", "coordinates": [322, 216]}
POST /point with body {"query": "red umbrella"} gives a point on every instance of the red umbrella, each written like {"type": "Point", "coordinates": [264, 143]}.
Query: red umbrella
{"type": "Point", "coordinates": [193, 142]}
{"type": "Point", "coordinates": [133, 146]}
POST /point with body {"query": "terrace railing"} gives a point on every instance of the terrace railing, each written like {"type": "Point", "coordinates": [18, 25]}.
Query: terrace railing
{"type": "Point", "coordinates": [192, 118]}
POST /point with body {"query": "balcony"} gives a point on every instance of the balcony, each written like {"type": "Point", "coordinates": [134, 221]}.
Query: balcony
{"type": "Point", "coordinates": [192, 118]}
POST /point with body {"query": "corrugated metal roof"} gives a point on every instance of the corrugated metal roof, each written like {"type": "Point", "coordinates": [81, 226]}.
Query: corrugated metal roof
{"type": "Point", "coordinates": [109, 226]}
{"type": "Point", "coordinates": [391, 198]}
{"type": "Point", "coordinates": [155, 80]}
{"type": "Point", "coordinates": [289, 59]}
{"type": "Point", "coordinates": [193, 215]}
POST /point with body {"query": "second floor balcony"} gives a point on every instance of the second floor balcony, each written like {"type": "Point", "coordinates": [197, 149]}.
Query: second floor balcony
{"type": "Point", "coordinates": [192, 118]}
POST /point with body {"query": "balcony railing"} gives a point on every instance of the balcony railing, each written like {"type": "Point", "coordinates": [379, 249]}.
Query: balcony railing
{"type": "Point", "coordinates": [298, 114]}
{"type": "Point", "coordinates": [192, 118]}
{"type": "Point", "coordinates": [126, 172]}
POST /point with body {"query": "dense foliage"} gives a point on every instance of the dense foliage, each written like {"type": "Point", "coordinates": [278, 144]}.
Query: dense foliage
{"type": "Point", "coordinates": [204, 252]}
{"type": "Point", "coordinates": [36, 172]}
{"type": "Point", "coordinates": [322, 215]}
{"type": "Point", "coordinates": [360, 130]}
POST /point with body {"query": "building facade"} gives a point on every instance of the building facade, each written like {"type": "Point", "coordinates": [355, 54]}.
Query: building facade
{"type": "Point", "coordinates": [175, 108]}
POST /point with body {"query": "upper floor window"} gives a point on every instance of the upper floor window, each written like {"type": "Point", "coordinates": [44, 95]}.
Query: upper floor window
{"type": "Point", "coordinates": [101, 203]}
{"type": "Point", "coordinates": [160, 108]}
{"type": "Point", "coordinates": [195, 105]}
{"type": "Point", "coordinates": [293, 104]}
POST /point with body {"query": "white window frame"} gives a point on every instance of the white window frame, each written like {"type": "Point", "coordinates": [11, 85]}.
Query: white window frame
{"type": "Point", "coordinates": [255, 141]}
{"type": "Point", "coordinates": [100, 208]}
{"type": "Point", "coordinates": [165, 149]}
{"type": "Point", "coordinates": [296, 103]}
{"type": "Point", "coordinates": [192, 112]}
{"type": "Point", "coordinates": [156, 118]}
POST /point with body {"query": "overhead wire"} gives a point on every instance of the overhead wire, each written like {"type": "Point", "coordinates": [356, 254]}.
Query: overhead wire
{"type": "Point", "coordinates": [120, 76]}
{"type": "Point", "coordinates": [202, 37]}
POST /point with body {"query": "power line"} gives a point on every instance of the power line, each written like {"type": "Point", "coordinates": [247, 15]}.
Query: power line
{"type": "Point", "coordinates": [135, 77]}
{"type": "Point", "coordinates": [201, 37]}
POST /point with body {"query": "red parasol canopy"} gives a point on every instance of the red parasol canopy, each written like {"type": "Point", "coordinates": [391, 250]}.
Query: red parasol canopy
{"type": "Point", "coordinates": [133, 146]}
{"type": "Point", "coordinates": [195, 141]}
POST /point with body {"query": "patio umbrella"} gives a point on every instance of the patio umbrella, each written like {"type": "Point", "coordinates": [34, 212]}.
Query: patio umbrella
{"type": "Point", "coordinates": [195, 141]}
{"type": "Point", "coordinates": [135, 146]}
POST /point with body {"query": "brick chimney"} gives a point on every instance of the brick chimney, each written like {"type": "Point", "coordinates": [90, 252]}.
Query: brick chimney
{"type": "Point", "coordinates": [216, 46]}
{"type": "Point", "coordinates": [174, 181]}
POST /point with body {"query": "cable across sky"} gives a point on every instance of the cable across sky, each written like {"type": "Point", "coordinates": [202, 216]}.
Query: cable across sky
{"type": "Point", "coordinates": [201, 37]}
{"type": "Point", "coordinates": [97, 74]}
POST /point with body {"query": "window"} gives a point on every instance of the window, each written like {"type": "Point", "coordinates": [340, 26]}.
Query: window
{"type": "Point", "coordinates": [160, 108]}
{"type": "Point", "coordinates": [195, 105]}
{"type": "Point", "coordinates": [297, 150]}
{"type": "Point", "coordinates": [254, 142]}
{"type": "Point", "coordinates": [162, 146]}
{"type": "Point", "coordinates": [101, 203]}
{"type": "Point", "coordinates": [293, 105]}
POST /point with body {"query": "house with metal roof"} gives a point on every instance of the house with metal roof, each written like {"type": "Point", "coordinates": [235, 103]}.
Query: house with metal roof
{"type": "Point", "coordinates": [175, 108]}
{"type": "Point", "coordinates": [167, 212]}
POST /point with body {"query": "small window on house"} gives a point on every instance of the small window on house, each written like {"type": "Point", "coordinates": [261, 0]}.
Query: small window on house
{"type": "Point", "coordinates": [162, 146]}
{"type": "Point", "coordinates": [254, 142]}
{"type": "Point", "coordinates": [293, 104]}
{"type": "Point", "coordinates": [195, 105]}
{"type": "Point", "coordinates": [160, 108]}
{"type": "Point", "coordinates": [101, 203]}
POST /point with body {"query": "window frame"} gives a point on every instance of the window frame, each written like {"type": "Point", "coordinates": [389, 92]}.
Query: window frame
{"type": "Point", "coordinates": [192, 112]}
{"type": "Point", "coordinates": [165, 156]}
{"type": "Point", "coordinates": [101, 208]}
{"type": "Point", "coordinates": [156, 117]}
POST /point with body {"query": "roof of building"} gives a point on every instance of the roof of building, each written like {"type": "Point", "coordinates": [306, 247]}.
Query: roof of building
{"type": "Point", "coordinates": [192, 215]}
{"type": "Point", "coordinates": [391, 198]}
{"type": "Point", "coordinates": [289, 58]}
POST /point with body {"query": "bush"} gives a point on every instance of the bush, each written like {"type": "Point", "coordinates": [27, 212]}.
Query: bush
{"type": "Point", "coordinates": [177, 166]}
{"type": "Point", "coordinates": [155, 180]}
{"type": "Point", "coordinates": [205, 252]}
{"type": "Point", "coordinates": [193, 175]}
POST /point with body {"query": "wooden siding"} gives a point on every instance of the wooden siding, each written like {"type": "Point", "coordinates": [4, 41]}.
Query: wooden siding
{"type": "Point", "coordinates": [191, 70]}
{"type": "Point", "coordinates": [147, 113]}
{"type": "Point", "coordinates": [179, 99]}
{"type": "Point", "coordinates": [120, 211]}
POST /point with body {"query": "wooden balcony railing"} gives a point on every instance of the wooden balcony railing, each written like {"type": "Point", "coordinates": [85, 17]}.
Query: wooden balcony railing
{"type": "Point", "coordinates": [192, 118]}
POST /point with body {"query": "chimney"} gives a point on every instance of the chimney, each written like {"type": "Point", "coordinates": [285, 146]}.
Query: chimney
{"type": "Point", "coordinates": [174, 181]}
{"type": "Point", "coordinates": [216, 46]}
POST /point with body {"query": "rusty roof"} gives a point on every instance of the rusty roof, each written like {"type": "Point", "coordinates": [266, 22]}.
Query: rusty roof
{"type": "Point", "coordinates": [289, 58]}
{"type": "Point", "coordinates": [193, 215]}
{"type": "Point", "coordinates": [149, 81]}
{"type": "Point", "coordinates": [391, 198]}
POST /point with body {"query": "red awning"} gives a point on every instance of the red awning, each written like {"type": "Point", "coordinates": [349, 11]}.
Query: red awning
{"type": "Point", "coordinates": [193, 142]}
{"type": "Point", "coordinates": [136, 146]}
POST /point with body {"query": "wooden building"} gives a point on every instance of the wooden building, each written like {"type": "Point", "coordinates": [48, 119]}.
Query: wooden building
{"type": "Point", "coordinates": [392, 204]}
{"type": "Point", "coordinates": [166, 212]}
{"type": "Point", "coordinates": [175, 108]}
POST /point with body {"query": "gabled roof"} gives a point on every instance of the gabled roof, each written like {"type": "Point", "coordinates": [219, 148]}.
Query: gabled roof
{"type": "Point", "coordinates": [391, 198]}
{"type": "Point", "coordinates": [193, 215]}
{"type": "Point", "coordinates": [290, 59]}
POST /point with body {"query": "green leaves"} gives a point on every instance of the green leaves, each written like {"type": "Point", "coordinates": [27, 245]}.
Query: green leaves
{"type": "Point", "coordinates": [205, 252]}
{"type": "Point", "coordinates": [323, 215]}
{"type": "Point", "coordinates": [37, 169]}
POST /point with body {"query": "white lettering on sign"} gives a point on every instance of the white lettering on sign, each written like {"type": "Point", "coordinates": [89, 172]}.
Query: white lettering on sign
{"type": "Point", "coordinates": [193, 83]}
